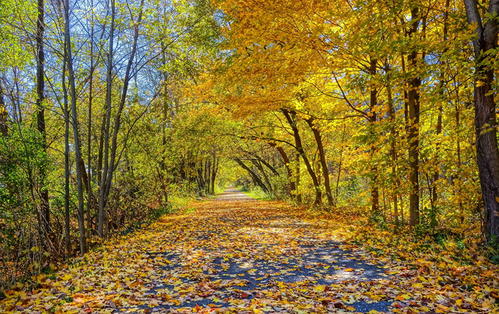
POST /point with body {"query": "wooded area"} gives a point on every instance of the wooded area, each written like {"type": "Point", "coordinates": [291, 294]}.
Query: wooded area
{"type": "Point", "coordinates": [113, 111]}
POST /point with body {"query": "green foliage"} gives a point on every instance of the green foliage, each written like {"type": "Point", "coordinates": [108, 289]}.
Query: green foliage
{"type": "Point", "coordinates": [21, 159]}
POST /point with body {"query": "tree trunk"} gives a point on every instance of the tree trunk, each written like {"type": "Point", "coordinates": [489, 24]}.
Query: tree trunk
{"type": "Point", "coordinates": [106, 125]}
{"type": "Point", "coordinates": [67, 170]}
{"type": "Point", "coordinates": [291, 118]}
{"type": "Point", "coordinates": [214, 171]}
{"type": "Point", "coordinates": [393, 149]}
{"type": "Point", "coordinates": [76, 134]}
{"type": "Point", "coordinates": [373, 101]}
{"type": "Point", "coordinates": [110, 162]}
{"type": "Point", "coordinates": [40, 115]}
{"type": "Point", "coordinates": [413, 108]}
{"type": "Point", "coordinates": [484, 46]}
{"type": "Point", "coordinates": [89, 135]}
{"type": "Point", "coordinates": [322, 159]}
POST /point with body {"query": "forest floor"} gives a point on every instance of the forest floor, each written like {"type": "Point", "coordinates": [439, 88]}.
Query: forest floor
{"type": "Point", "coordinates": [236, 254]}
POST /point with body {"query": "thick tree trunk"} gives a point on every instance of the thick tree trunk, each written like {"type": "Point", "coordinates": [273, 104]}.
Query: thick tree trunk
{"type": "Point", "coordinates": [485, 45]}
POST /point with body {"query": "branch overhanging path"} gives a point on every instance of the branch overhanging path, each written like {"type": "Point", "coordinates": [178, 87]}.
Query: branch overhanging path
{"type": "Point", "coordinates": [231, 253]}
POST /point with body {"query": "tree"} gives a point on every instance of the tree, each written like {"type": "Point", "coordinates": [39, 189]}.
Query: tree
{"type": "Point", "coordinates": [44, 210]}
{"type": "Point", "coordinates": [485, 46]}
{"type": "Point", "coordinates": [74, 122]}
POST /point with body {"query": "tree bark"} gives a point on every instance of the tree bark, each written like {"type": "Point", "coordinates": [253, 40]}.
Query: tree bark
{"type": "Point", "coordinates": [484, 46]}
{"type": "Point", "coordinates": [413, 110]}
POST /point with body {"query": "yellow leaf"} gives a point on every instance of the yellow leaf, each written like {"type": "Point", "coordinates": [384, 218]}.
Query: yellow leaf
{"type": "Point", "coordinates": [319, 288]}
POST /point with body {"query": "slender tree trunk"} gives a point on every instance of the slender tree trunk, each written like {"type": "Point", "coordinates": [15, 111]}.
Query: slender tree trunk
{"type": "Point", "coordinates": [89, 135]}
{"type": "Point", "coordinates": [485, 44]}
{"type": "Point", "coordinates": [40, 115]}
{"type": "Point", "coordinates": [291, 118]}
{"type": "Point", "coordinates": [111, 163]}
{"type": "Point", "coordinates": [373, 101]}
{"type": "Point", "coordinates": [76, 134]}
{"type": "Point", "coordinates": [413, 108]}
{"type": "Point", "coordinates": [322, 159]}
{"type": "Point", "coordinates": [214, 170]}
{"type": "Point", "coordinates": [106, 125]}
{"type": "Point", "coordinates": [207, 173]}
{"type": "Point", "coordinates": [67, 170]}
{"type": "Point", "coordinates": [439, 127]}
{"type": "Point", "coordinates": [393, 150]}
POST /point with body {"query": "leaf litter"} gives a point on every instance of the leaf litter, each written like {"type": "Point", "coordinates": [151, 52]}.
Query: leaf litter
{"type": "Point", "coordinates": [252, 257]}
